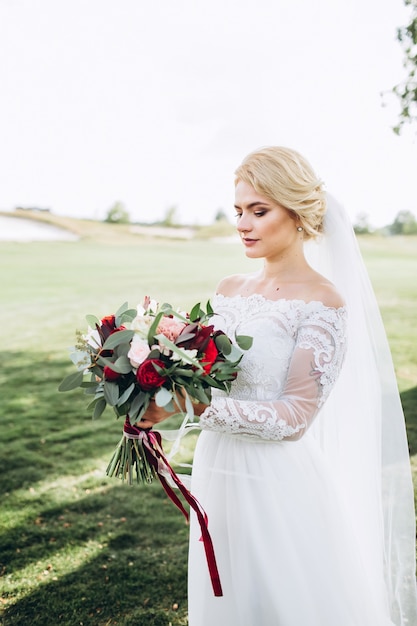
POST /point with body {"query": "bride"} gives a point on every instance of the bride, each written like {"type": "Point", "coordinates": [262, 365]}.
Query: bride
{"type": "Point", "coordinates": [303, 467]}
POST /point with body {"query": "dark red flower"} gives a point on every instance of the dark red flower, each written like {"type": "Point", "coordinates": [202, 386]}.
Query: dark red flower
{"type": "Point", "coordinates": [109, 321]}
{"type": "Point", "coordinates": [199, 341]}
{"type": "Point", "coordinates": [110, 374]}
{"type": "Point", "coordinates": [209, 356]}
{"type": "Point", "coordinates": [147, 376]}
{"type": "Point", "coordinates": [108, 327]}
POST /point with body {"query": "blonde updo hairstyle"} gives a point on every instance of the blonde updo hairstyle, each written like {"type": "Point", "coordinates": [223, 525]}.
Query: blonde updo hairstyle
{"type": "Point", "coordinates": [285, 177]}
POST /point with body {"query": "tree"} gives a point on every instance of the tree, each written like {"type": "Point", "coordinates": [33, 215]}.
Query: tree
{"type": "Point", "coordinates": [117, 214]}
{"type": "Point", "coordinates": [221, 216]}
{"type": "Point", "coordinates": [362, 225]}
{"type": "Point", "coordinates": [170, 218]}
{"type": "Point", "coordinates": [404, 224]}
{"type": "Point", "coordinates": [407, 90]}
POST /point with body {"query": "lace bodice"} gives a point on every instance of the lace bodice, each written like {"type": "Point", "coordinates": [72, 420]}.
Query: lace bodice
{"type": "Point", "coordinates": [286, 376]}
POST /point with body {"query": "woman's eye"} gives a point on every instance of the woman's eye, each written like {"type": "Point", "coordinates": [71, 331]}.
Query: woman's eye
{"type": "Point", "coordinates": [259, 213]}
{"type": "Point", "coordinates": [238, 215]}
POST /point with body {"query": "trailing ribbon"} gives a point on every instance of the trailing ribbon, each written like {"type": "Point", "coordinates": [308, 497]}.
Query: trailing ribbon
{"type": "Point", "coordinates": [152, 446]}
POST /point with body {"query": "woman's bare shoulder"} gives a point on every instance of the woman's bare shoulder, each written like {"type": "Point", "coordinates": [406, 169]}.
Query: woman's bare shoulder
{"type": "Point", "coordinates": [324, 291]}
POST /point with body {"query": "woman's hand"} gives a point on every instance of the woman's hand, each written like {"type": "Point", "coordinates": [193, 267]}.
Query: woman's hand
{"type": "Point", "coordinates": [155, 414]}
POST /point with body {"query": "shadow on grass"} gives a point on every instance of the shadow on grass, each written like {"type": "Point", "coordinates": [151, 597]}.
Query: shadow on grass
{"type": "Point", "coordinates": [75, 546]}
{"type": "Point", "coordinates": [45, 433]}
{"type": "Point", "coordinates": [128, 570]}
{"type": "Point", "coordinates": [409, 402]}
{"type": "Point", "coordinates": [109, 589]}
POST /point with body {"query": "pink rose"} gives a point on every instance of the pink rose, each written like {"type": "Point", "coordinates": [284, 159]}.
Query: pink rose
{"type": "Point", "coordinates": [170, 327]}
{"type": "Point", "coordinates": [138, 352]}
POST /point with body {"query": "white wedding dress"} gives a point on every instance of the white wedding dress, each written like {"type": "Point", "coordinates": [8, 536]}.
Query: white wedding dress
{"type": "Point", "coordinates": [285, 548]}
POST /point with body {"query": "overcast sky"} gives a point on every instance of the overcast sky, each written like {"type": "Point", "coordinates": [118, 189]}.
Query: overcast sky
{"type": "Point", "coordinates": [155, 103]}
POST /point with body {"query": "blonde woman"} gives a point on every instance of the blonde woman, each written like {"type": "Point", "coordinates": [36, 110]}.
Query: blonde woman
{"type": "Point", "coordinates": [303, 468]}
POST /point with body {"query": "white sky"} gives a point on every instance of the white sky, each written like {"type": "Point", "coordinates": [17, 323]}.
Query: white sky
{"type": "Point", "coordinates": [154, 103]}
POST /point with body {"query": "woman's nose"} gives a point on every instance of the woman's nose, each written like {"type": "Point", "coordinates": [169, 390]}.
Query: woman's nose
{"type": "Point", "coordinates": [243, 224]}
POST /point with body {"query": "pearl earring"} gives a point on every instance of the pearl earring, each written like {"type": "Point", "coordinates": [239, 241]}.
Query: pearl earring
{"type": "Point", "coordinates": [299, 228]}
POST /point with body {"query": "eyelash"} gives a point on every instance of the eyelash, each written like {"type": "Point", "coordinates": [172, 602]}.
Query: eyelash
{"type": "Point", "coordinates": [256, 213]}
{"type": "Point", "coordinates": [259, 213]}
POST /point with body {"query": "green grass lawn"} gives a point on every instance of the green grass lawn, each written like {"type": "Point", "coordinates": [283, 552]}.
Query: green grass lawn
{"type": "Point", "coordinates": [78, 548]}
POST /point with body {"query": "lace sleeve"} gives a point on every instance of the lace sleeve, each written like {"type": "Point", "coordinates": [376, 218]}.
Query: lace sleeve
{"type": "Point", "coordinates": [314, 367]}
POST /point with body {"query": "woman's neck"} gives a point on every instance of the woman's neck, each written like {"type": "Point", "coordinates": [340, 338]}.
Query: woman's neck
{"type": "Point", "coordinates": [285, 268]}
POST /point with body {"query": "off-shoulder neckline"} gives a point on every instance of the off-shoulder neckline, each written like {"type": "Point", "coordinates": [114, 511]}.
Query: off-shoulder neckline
{"type": "Point", "coordinates": [295, 301]}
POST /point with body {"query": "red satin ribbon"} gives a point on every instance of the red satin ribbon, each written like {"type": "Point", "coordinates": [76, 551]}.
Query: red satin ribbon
{"type": "Point", "coordinates": [152, 444]}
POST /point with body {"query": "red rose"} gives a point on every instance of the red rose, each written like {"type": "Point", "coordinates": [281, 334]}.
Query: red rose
{"type": "Point", "coordinates": [108, 327]}
{"type": "Point", "coordinates": [110, 374]}
{"type": "Point", "coordinates": [209, 356]}
{"type": "Point", "coordinates": [147, 376]}
{"type": "Point", "coordinates": [109, 321]}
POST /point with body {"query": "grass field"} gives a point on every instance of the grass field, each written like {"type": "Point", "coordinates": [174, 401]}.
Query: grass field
{"type": "Point", "coordinates": [77, 548]}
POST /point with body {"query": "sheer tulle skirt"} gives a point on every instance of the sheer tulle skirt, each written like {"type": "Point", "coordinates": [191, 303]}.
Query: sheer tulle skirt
{"type": "Point", "coordinates": [286, 554]}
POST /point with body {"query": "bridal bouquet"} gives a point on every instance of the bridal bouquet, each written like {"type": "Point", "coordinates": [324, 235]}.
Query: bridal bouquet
{"type": "Point", "coordinates": [153, 353]}
{"type": "Point", "coordinates": [149, 353]}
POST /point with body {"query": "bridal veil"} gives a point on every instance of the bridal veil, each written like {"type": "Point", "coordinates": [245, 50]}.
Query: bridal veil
{"type": "Point", "coordinates": [362, 430]}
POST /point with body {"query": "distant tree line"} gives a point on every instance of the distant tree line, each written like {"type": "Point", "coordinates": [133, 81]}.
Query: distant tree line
{"type": "Point", "coordinates": [117, 214]}
{"type": "Point", "coordinates": [404, 224]}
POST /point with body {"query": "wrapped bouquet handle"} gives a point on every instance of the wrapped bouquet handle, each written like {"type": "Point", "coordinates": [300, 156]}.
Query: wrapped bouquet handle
{"type": "Point", "coordinates": [140, 446]}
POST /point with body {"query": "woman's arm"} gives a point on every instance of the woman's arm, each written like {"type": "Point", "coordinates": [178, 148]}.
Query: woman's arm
{"type": "Point", "coordinates": [314, 368]}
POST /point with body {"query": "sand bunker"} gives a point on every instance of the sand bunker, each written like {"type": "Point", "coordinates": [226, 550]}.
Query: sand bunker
{"type": "Point", "coordinates": [21, 229]}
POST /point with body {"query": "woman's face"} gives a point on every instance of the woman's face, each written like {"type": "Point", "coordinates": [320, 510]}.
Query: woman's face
{"type": "Point", "coordinates": [267, 229]}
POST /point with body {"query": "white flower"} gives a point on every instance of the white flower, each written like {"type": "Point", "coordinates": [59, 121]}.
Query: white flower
{"type": "Point", "coordinates": [141, 325]}
{"type": "Point", "coordinates": [138, 352]}
{"type": "Point", "coordinates": [81, 359]}
{"type": "Point", "coordinates": [92, 338]}
{"type": "Point", "coordinates": [188, 354]}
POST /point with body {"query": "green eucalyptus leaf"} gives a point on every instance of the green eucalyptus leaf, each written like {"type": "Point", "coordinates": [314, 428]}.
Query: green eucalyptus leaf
{"type": "Point", "coordinates": [92, 321]}
{"type": "Point", "coordinates": [234, 355]}
{"type": "Point", "coordinates": [125, 395]}
{"type": "Point", "coordinates": [111, 393]}
{"type": "Point", "coordinates": [127, 316]}
{"type": "Point", "coordinates": [183, 372]}
{"type": "Point", "coordinates": [223, 344]}
{"type": "Point", "coordinates": [163, 397]}
{"type": "Point", "coordinates": [244, 341]}
{"type": "Point", "coordinates": [209, 308]}
{"type": "Point", "coordinates": [87, 383]}
{"type": "Point", "coordinates": [153, 328]}
{"type": "Point", "coordinates": [196, 313]}
{"type": "Point", "coordinates": [122, 349]}
{"type": "Point", "coordinates": [115, 339]}
{"type": "Point", "coordinates": [183, 337]}
{"type": "Point", "coordinates": [200, 394]}
{"type": "Point", "coordinates": [99, 408]}
{"type": "Point", "coordinates": [122, 365]}
{"type": "Point", "coordinates": [137, 404]}
{"type": "Point", "coordinates": [72, 381]}
{"type": "Point", "coordinates": [122, 309]}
